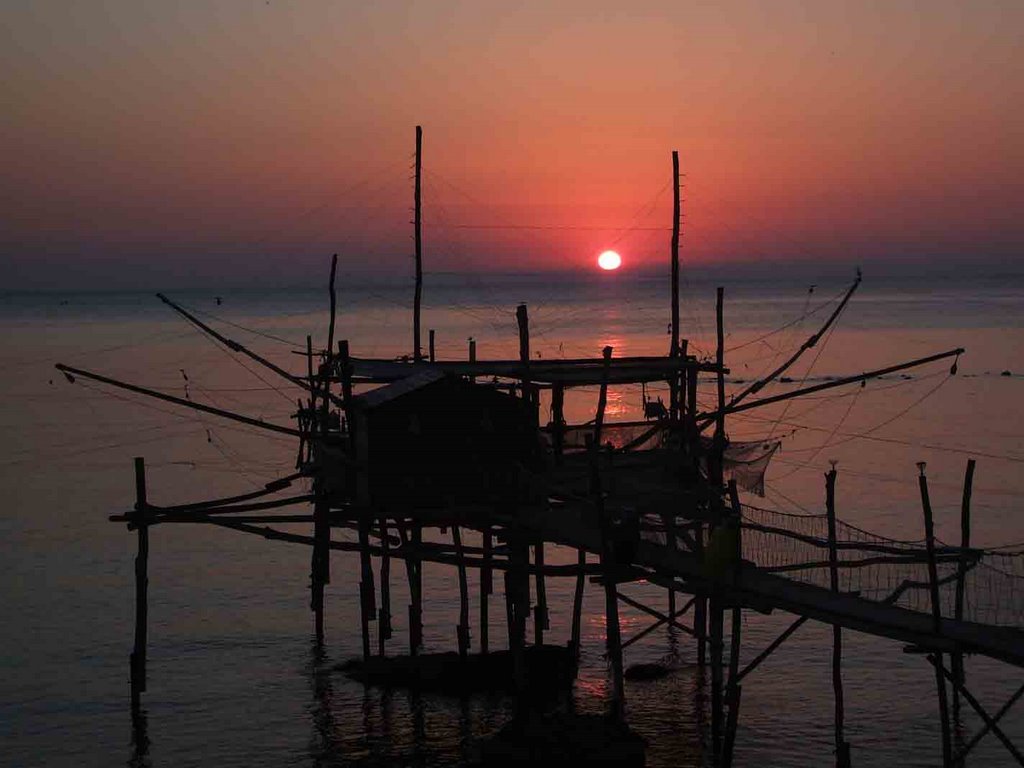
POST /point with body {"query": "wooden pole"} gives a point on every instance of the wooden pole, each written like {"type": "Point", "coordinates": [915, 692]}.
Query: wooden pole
{"type": "Point", "coordinates": [462, 630]}
{"type": "Point", "coordinates": [430, 337]}
{"type": "Point", "coordinates": [416, 591]}
{"type": "Point", "coordinates": [517, 590]}
{"type": "Point", "coordinates": [933, 582]}
{"type": "Point", "coordinates": [486, 587]}
{"type": "Point", "coordinates": [674, 351]}
{"type": "Point", "coordinates": [384, 613]}
{"type": "Point", "coordinates": [320, 554]}
{"type": "Point", "coordinates": [330, 326]}
{"type": "Point", "coordinates": [577, 604]}
{"type": "Point", "coordinates": [367, 599]}
{"type": "Point", "coordinates": [540, 610]}
{"type": "Point", "coordinates": [735, 626]}
{"type": "Point", "coordinates": [609, 569]}
{"type": "Point", "coordinates": [418, 237]}
{"type": "Point", "coordinates": [715, 479]}
{"type": "Point", "coordinates": [472, 357]}
{"type": "Point", "coordinates": [523, 321]}
{"type": "Point", "coordinates": [692, 451]}
{"type": "Point", "coordinates": [558, 421]}
{"type": "Point", "coordinates": [137, 660]}
{"type": "Point", "coordinates": [842, 746]}
{"type": "Point", "coordinates": [957, 660]}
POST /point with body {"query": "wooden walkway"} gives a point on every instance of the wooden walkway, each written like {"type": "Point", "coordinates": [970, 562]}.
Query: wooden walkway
{"type": "Point", "coordinates": [761, 591]}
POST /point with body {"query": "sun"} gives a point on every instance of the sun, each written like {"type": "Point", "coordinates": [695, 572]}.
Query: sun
{"type": "Point", "coordinates": [609, 260]}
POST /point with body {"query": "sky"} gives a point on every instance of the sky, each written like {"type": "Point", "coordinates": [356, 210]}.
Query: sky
{"type": "Point", "coordinates": [150, 144]}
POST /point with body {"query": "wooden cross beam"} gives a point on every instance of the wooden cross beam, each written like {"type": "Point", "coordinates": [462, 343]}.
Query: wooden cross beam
{"type": "Point", "coordinates": [991, 723]}
{"type": "Point", "coordinates": [658, 614]}
{"type": "Point", "coordinates": [660, 622]}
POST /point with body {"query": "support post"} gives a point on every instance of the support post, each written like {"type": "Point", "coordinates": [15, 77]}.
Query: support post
{"type": "Point", "coordinates": [609, 569]}
{"type": "Point", "coordinates": [472, 357]}
{"type": "Point", "coordinates": [417, 350]}
{"type": "Point", "coordinates": [367, 598]}
{"type": "Point", "coordinates": [558, 421]}
{"type": "Point", "coordinates": [384, 613]}
{"type": "Point", "coordinates": [137, 660]}
{"type": "Point", "coordinates": [462, 630]}
{"type": "Point", "coordinates": [577, 605]}
{"type": "Point", "coordinates": [517, 591]}
{"type": "Point", "coordinates": [540, 610]}
{"type": "Point", "coordinates": [486, 587]}
{"type": "Point", "coordinates": [842, 746]}
{"type": "Point", "coordinates": [957, 660]}
{"type": "Point", "coordinates": [692, 449]}
{"type": "Point", "coordinates": [715, 479]}
{"type": "Point", "coordinates": [734, 690]}
{"type": "Point", "coordinates": [933, 582]}
{"type": "Point", "coordinates": [674, 352]}
{"type": "Point", "coordinates": [430, 342]}
{"type": "Point", "coordinates": [523, 320]}
{"type": "Point", "coordinates": [416, 590]}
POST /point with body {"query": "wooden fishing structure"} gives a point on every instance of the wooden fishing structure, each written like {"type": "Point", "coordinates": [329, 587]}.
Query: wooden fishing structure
{"type": "Point", "coordinates": [394, 448]}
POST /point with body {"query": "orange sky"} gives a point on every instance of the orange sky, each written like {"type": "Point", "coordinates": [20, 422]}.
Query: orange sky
{"type": "Point", "coordinates": [186, 140]}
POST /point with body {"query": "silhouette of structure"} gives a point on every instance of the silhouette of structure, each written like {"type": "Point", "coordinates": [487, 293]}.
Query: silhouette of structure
{"type": "Point", "coordinates": [393, 447]}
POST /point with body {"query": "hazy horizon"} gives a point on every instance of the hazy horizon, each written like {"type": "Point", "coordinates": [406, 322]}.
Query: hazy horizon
{"type": "Point", "coordinates": [243, 143]}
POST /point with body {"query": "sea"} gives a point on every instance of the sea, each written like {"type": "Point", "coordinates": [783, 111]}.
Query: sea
{"type": "Point", "coordinates": [234, 675]}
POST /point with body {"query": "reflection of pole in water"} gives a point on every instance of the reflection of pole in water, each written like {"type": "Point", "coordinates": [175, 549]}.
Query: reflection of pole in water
{"type": "Point", "coordinates": [325, 740]}
{"type": "Point", "coordinates": [140, 739]}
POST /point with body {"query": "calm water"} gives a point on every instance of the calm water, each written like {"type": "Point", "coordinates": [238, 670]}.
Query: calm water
{"type": "Point", "coordinates": [233, 676]}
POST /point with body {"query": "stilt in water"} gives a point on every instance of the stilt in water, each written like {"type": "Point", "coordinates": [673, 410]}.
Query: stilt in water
{"type": "Point", "coordinates": [415, 590]}
{"type": "Point", "coordinates": [933, 581]}
{"type": "Point", "coordinates": [137, 660]}
{"type": "Point", "coordinates": [384, 613]}
{"type": "Point", "coordinates": [517, 592]}
{"type": "Point", "coordinates": [609, 569]}
{"type": "Point", "coordinates": [367, 597]}
{"type": "Point", "coordinates": [957, 659]}
{"type": "Point", "coordinates": [462, 630]}
{"type": "Point", "coordinates": [540, 611]}
{"type": "Point", "coordinates": [734, 690]}
{"type": "Point", "coordinates": [715, 479]}
{"type": "Point", "coordinates": [577, 604]}
{"type": "Point", "coordinates": [842, 746]}
{"type": "Point", "coordinates": [486, 588]}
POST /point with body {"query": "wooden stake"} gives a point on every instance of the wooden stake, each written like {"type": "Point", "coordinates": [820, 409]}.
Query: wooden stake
{"type": "Point", "coordinates": [486, 587]}
{"type": "Point", "coordinates": [558, 421]}
{"type": "Point", "coordinates": [957, 660]}
{"type": "Point", "coordinates": [472, 357]}
{"type": "Point", "coordinates": [430, 337]}
{"type": "Point", "coordinates": [933, 582]}
{"type": "Point", "coordinates": [367, 599]}
{"type": "Point", "coordinates": [609, 567]}
{"type": "Point", "coordinates": [692, 452]}
{"type": "Point", "coordinates": [735, 627]}
{"type": "Point", "coordinates": [384, 613]}
{"type": "Point", "coordinates": [540, 611]}
{"type": "Point", "coordinates": [417, 352]}
{"type": "Point", "coordinates": [517, 589]}
{"type": "Point", "coordinates": [842, 747]}
{"type": "Point", "coordinates": [577, 604]}
{"type": "Point", "coordinates": [523, 320]}
{"type": "Point", "coordinates": [674, 351]}
{"type": "Point", "coordinates": [462, 630]}
{"type": "Point", "coordinates": [137, 660]}
{"type": "Point", "coordinates": [416, 591]}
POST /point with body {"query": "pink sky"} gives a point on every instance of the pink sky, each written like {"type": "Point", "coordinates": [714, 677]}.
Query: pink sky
{"type": "Point", "coordinates": [249, 137]}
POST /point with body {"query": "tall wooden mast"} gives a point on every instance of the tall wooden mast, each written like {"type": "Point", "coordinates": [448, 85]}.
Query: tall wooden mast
{"type": "Point", "coordinates": [417, 228]}
{"type": "Point", "coordinates": [674, 352]}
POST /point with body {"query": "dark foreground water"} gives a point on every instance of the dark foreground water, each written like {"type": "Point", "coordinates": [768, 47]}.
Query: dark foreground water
{"type": "Point", "coordinates": [233, 675]}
